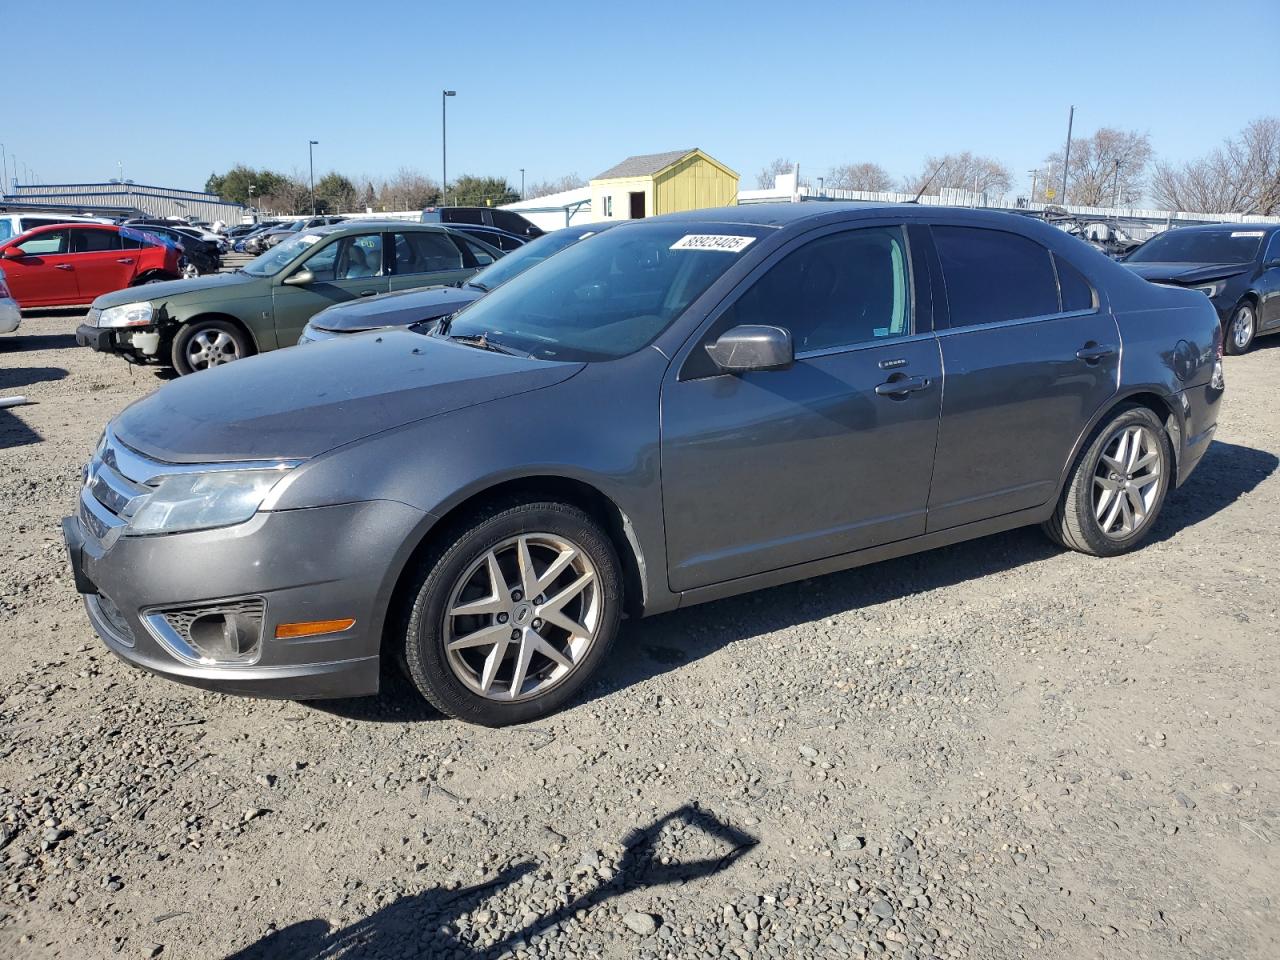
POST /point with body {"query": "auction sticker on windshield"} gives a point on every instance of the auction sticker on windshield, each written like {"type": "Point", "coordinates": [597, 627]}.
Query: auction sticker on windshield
{"type": "Point", "coordinates": [712, 241]}
{"type": "Point", "coordinates": [1246, 233]}
{"type": "Point", "coordinates": [309, 239]}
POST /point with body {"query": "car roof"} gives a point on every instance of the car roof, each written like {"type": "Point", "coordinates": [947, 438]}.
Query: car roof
{"type": "Point", "coordinates": [358, 225]}
{"type": "Point", "coordinates": [78, 224]}
{"type": "Point", "coordinates": [1211, 227]}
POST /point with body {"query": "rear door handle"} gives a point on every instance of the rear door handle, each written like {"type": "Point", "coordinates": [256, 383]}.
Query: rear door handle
{"type": "Point", "coordinates": [63, 266]}
{"type": "Point", "coordinates": [368, 293]}
{"type": "Point", "coordinates": [903, 386]}
{"type": "Point", "coordinates": [125, 260]}
{"type": "Point", "coordinates": [1093, 352]}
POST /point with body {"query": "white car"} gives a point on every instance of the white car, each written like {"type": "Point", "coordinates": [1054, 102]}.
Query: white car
{"type": "Point", "coordinates": [12, 224]}
{"type": "Point", "coordinates": [10, 316]}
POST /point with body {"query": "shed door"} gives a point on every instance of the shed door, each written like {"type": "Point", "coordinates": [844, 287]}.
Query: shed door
{"type": "Point", "coordinates": [637, 206]}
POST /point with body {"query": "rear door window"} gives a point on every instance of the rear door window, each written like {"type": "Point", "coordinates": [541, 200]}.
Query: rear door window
{"type": "Point", "coordinates": [479, 256]}
{"type": "Point", "coordinates": [993, 276]}
{"type": "Point", "coordinates": [425, 252]}
{"type": "Point", "coordinates": [94, 241]}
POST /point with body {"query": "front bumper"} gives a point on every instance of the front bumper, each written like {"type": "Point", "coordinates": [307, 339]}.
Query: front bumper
{"type": "Point", "coordinates": [101, 339]}
{"type": "Point", "coordinates": [10, 315]}
{"type": "Point", "coordinates": [311, 335]}
{"type": "Point", "coordinates": [324, 563]}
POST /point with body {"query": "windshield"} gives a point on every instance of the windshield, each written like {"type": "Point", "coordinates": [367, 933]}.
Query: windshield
{"type": "Point", "coordinates": [279, 256]}
{"type": "Point", "coordinates": [607, 298]}
{"type": "Point", "coordinates": [522, 258]}
{"type": "Point", "coordinates": [1200, 246]}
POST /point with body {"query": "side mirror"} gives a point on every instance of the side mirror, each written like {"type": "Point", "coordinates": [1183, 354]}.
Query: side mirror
{"type": "Point", "coordinates": [13, 253]}
{"type": "Point", "coordinates": [752, 347]}
{"type": "Point", "coordinates": [299, 278]}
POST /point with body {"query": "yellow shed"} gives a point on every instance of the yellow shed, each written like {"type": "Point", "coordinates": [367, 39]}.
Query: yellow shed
{"type": "Point", "coordinates": [656, 183]}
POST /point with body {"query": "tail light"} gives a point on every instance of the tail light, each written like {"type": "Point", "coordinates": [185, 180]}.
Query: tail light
{"type": "Point", "coordinates": [1219, 379]}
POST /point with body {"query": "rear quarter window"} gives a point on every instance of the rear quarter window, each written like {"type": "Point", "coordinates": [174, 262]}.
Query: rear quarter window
{"type": "Point", "coordinates": [1077, 294]}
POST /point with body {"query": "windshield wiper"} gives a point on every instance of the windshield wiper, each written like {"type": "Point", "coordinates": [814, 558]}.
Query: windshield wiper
{"type": "Point", "coordinates": [479, 286]}
{"type": "Point", "coordinates": [482, 341]}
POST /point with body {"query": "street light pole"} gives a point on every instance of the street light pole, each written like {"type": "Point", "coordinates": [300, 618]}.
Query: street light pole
{"type": "Point", "coordinates": [4, 184]}
{"type": "Point", "coordinates": [311, 160]}
{"type": "Point", "coordinates": [1066, 156]}
{"type": "Point", "coordinates": [522, 183]}
{"type": "Point", "coordinates": [1034, 175]}
{"type": "Point", "coordinates": [444, 149]}
{"type": "Point", "coordinates": [1115, 190]}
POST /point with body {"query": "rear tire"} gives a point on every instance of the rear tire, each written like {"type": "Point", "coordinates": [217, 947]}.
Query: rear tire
{"type": "Point", "coordinates": [1119, 484]}
{"type": "Point", "coordinates": [469, 665]}
{"type": "Point", "coordinates": [1241, 330]}
{"type": "Point", "coordinates": [202, 344]}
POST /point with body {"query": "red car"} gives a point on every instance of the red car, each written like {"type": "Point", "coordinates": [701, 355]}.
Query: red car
{"type": "Point", "coordinates": [67, 264]}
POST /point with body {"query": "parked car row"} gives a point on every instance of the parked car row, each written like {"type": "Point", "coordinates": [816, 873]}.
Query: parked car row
{"type": "Point", "coordinates": [666, 412]}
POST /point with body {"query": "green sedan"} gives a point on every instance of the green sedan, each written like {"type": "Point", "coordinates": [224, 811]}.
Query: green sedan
{"type": "Point", "coordinates": [203, 322]}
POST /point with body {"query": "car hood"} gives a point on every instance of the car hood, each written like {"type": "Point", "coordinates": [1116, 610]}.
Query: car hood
{"type": "Point", "coordinates": [1187, 273]}
{"type": "Point", "coordinates": [299, 403]}
{"type": "Point", "coordinates": [152, 292]}
{"type": "Point", "coordinates": [394, 309]}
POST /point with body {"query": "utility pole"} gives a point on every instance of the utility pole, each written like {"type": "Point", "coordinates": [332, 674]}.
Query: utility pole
{"type": "Point", "coordinates": [1066, 155]}
{"type": "Point", "coordinates": [522, 183]}
{"type": "Point", "coordinates": [1034, 175]}
{"type": "Point", "coordinates": [311, 160]}
{"type": "Point", "coordinates": [1115, 190]}
{"type": "Point", "coordinates": [444, 140]}
{"type": "Point", "coordinates": [4, 184]}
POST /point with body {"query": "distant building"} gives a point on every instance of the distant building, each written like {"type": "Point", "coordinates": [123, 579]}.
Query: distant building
{"type": "Point", "coordinates": [657, 183]}
{"type": "Point", "coordinates": [138, 198]}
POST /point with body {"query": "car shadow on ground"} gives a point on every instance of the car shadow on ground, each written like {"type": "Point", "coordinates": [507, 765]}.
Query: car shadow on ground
{"type": "Point", "coordinates": [13, 377]}
{"type": "Point", "coordinates": [421, 924]}
{"type": "Point", "coordinates": [17, 342]}
{"type": "Point", "coordinates": [657, 645]}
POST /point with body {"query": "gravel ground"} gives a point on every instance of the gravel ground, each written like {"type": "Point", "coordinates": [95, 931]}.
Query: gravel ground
{"type": "Point", "coordinates": [993, 750]}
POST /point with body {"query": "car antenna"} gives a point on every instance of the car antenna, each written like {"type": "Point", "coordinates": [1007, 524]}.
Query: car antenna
{"type": "Point", "coordinates": [937, 170]}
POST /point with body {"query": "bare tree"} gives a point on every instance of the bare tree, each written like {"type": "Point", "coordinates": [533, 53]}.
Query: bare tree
{"type": "Point", "coordinates": [1108, 167]}
{"type": "Point", "coordinates": [408, 190]}
{"type": "Point", "coordinates": [765, 178]}
{"type": "Point", "coordinates": [859, 176]}
{"type": "Point", "coordinates": [543, 188]}
{"type": "Point", "coordinates": [962, 171]}
{"type": "Point", "coordinates": [1241, 176]}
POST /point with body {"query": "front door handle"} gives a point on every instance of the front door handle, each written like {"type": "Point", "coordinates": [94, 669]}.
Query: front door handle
{"type": "Point", "coordinates": [125, 260]}
{"type": "Point", "coordinates": [902, 386]}
{"type": "Point", "coordinates": [1093, 352]}
{"type": "Point", "coordinates": [63, 266]}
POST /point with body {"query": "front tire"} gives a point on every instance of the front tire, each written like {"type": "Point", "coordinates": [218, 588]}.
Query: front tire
{"type": "Point", "coordinates": [1117, 488]}
{"type": "Point", "coordinates": [202, 344]}
{"type": "Point", "coordinates": [1241, 330]}
{"type": "Point", "coordinates": [512, 615]}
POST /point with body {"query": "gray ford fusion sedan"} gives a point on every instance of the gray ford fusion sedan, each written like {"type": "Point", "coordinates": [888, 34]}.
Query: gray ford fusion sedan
{"type": "Point", "coordinates": [676, 410]}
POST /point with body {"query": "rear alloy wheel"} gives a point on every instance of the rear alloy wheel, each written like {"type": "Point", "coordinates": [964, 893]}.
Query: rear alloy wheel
{"type": "Point", "coordinates": [1118, 487]}
{"type": "Point", "coordinates": [202, 344]}
{"type": "Point", "coordinates": [515, 615]}
{"type": "Point", "coordinates": [1241, 329]}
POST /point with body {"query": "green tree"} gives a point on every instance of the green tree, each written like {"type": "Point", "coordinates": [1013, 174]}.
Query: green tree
{"type": "Point", "coordinates": [472, 191]}
{"type": "Point", "coordinates": [235, 183]}
{"type": "Point", "coordinates": [335, 194]}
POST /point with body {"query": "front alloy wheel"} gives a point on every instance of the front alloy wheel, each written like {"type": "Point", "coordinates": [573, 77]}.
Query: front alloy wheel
{"type": "Point", "coordinates": [1240, 331]}
{"type": "Point", "coordinates": [512, 612]}
{"type": "Point", "coordinates": [203, 344]}
{"type": "Point", "coordinates": [522, 617]}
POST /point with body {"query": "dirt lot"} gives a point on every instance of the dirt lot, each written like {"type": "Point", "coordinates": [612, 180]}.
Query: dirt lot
{"type": "Point", "coordinates": [994, 750]}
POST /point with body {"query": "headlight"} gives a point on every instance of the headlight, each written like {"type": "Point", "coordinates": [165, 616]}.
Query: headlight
{"type": "Point", "coordinates": [197, 501]}
{"type": "Point", "coordinates": [1211, 290]}
{"type": "Point", "coordinates": [126, 315]}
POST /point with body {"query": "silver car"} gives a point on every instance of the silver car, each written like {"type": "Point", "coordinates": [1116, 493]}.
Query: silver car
{"type": "Point", "coordinates": [680, 409]}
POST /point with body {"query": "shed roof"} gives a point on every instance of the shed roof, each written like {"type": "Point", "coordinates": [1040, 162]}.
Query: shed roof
{"type": "Point", "coordinates": [645, 164]}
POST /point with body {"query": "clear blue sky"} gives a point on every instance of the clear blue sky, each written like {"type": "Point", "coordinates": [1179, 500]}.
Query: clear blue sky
{"type": "Point", "coordinates": [561, 87]}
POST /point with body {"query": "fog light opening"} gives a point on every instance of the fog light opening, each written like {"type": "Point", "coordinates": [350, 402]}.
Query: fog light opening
{"type": "Point", "coordinates": [223, 636]}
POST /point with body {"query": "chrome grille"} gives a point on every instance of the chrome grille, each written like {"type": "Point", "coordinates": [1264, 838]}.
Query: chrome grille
{"type": "Point", "coordinates": [108, 497]}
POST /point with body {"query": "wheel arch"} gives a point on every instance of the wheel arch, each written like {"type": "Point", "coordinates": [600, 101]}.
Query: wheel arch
{"type": "Point", "coordinates": [585, 496]}
{"type": "Point", "coordinates": [1157, 403]}
{"type": "Point", "coordinates": [179, 322]}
